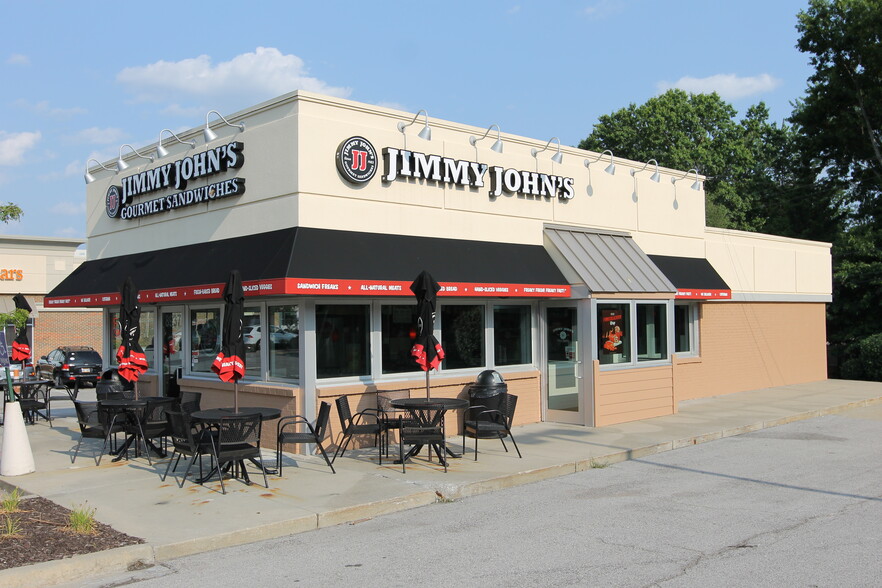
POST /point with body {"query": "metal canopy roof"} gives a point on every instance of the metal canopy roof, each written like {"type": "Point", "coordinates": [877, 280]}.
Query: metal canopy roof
{"type": "Point", "coordinates": [607, 261]}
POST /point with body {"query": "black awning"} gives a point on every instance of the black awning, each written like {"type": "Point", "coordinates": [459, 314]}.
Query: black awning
{"type": "Point", "coordinates": [694, 277]}
{"type": "Point", "coordinates": [312, 261]}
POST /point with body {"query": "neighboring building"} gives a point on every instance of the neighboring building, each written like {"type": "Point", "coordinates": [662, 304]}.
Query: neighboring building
{"type": "Point", "coordinates": [32, 266]}
{"type": "Point", "coordinates": [601, 297]}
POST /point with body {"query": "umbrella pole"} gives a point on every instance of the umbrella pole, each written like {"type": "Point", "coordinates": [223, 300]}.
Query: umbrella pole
{"type": "Point", "coordinates": [136, 390]}
{"type": "Point", "coordinates": [427, 384]}
{"type": "Point", "coordinates": [235, 395]}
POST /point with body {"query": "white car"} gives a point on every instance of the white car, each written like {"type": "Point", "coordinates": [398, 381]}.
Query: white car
{"type": "Point", "coordinates": [251, 336]}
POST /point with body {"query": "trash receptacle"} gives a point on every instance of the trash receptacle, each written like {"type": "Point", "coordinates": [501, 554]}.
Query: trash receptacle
{"type": "Point", "coordinates": [487, 391]}
{"type": "Point", "coordinates": [111, 384]}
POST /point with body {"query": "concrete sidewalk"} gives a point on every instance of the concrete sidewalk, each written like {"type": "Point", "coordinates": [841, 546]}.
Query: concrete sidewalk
{"type": "Point", "coordinates": [130, 497]}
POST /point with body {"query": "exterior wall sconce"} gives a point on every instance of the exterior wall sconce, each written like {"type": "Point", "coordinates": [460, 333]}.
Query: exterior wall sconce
{"type": "Point", "coordinates": [696, 185]}
{"type": "Point", "coordinates": [610, 169]}
{"type": "Point", "coordinates": [425, 133]}
{"type": "Point", "coordinates": [89, 177]}
{"type": "Point", "coordinates": [210, 135]}
{"type": "Point", "coordinates": [162, 151]}
{"type": "Point", "coordinates": [497, 145]}
{"type": "Point", "coordinates": [556, 158]}
{"type": "Point", "coordinates": [121, 165]}
{"type": "Point", "coordinates": [654, 177]}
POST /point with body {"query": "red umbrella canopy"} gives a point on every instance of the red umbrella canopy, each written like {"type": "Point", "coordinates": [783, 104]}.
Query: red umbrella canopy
{"type": "Point", "coordinates": [229, 365]}
{"type": "Point", "coordinates": [130, 356]}
{"type": "Point", "coordinates": [21, 346]}
{"type": "Point", "coordinates": [426, 350]}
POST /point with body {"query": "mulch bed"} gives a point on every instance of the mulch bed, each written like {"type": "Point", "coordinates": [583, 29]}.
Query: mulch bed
{"type": "Point", "coordinates": [45, 535]}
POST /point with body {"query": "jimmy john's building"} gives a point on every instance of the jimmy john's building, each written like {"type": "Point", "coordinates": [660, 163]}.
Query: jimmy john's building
{"type": "Point", "coordinates": [591, 283]}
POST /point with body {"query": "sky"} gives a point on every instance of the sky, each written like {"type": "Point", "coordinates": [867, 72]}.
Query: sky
{"type": "Point", "coordinates": [82, 79]}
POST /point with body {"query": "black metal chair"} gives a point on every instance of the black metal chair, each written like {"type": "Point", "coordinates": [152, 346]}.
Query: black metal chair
{"type": "Point", "coordinates": [95, 424]}
{"type": "Point", "coordinates": [424, 427]}
{"type": "Point", "coordinates": [313, 433]}
{"type": "Point", "coordinates": [190, 402]}
{"type": "Point", "coordinates": [186, 440]}
{"type": "Point", "coordinates": [238, 439]}
{"type": "Point", "coordinates": [34, 398]}
{"type": "Point", "coordinates": [351, 425]}
{"type": "Point", "coordinates": [484, 423]}
{"type": "Point", "coordinates": [389, 415]}
{"type": "Point", "coordinates": [154, 424]}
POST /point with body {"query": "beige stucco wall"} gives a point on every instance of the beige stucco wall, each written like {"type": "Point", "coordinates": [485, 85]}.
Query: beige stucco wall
{"type": "Point", "coordinates": [747, 346]}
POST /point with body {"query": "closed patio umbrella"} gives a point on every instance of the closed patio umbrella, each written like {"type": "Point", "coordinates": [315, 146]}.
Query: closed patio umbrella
{"type": "Point", "coordinates": [229, 365]}
{"type": "Point", "coordinates": [426, 351]}
{"type": "Point", "coordinates": [21, 346]}
{"type": "Point", "coordinates": [130, 357]}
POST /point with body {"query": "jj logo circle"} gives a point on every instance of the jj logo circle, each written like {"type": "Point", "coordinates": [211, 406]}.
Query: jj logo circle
{"type": "Point", "coordinates": [357, 160]}
{"type": "Point", "coordinates": [113, 201]}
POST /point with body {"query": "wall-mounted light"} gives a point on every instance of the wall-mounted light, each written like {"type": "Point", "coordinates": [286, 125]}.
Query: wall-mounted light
{"type": "Point", "coordinates": [121, 165]}
{"type": "Point", "coordinates": [655, 177]}
{"type": "Point", "coordinates": [89, 177]}
{"type": "Point", "coordinates": [696, 185]}
{"type": "Point", "coordinates": [425, 133]}
{"type": "Point", "coordinates": [162, 151]}
{"type": "Point", "coordinates": [556, 158]}
{"type": "Point", "coordinates": [210, 135]}
{"type": "Point", "coordinates": [610, 169]}
{"type": "Point", "coordinates": [497, 145]}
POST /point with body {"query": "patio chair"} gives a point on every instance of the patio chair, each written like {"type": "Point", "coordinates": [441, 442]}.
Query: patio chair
{"type": "Point", "coordinates": [190, 402]}
{"type": "Point", "coordinates": [187, 441]}
{"type": "Point", "coordinates": [313, 433]}
{"type": "Point", "coordinates": [238, 439]}
{"type": "Point", "coordinates": [93, 422]}
{"type": "Point", "coordinates": [34, 398]}
{"type": "Point", "coordinates": [351, 425]}
{"type": "Point", "coordinates": [154, 424]}
{"type": "Point", "coordinates": [389, 414]}
{"type": "Point", "coordinates": [425, 427]}
{"type": "Point", "coordinates": [487, 424]}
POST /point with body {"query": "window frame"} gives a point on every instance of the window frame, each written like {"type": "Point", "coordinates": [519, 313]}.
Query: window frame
{"type": "Point", "coordinates": [693, 328]}
{"type": "Point", "coordinates": [633, 333]}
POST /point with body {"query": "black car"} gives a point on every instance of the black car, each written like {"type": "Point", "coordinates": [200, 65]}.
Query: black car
{"type": "Point", "coordinates": [65, 365]}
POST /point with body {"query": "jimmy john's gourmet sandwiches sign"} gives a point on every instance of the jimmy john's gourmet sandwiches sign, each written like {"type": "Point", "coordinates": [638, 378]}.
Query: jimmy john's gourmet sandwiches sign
{"type": "Point", "coordinates": [120, 200]}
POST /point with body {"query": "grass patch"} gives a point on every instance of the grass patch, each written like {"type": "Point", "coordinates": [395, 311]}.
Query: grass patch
{"type": "Point", "coordinates": [82, 520]}
{"type": "Point", "coordinates": [11, 526]}
{"type": "Point", "coordinates": [597, 465]}
{"type": "Point", "coordinates": [10, 501]}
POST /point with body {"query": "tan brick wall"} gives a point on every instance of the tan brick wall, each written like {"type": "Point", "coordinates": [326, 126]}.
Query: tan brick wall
{"type": "Point", "coordinates": [748, 346]}
{"type": "Point", "coordinates": [53, 328]}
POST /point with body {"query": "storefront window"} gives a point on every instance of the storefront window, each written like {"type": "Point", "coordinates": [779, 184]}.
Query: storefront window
{"type": "Point", "coordinates": [462, 336]}
{"type": "Point", "coordinates": [204, 338]}
{"type": "Point", "coordinates": [145, 339]}
{"type": "Point", "coordinates": [652, 332]}
{"type": "Point", "coordinates": [685, 326]}
{"type": "Point", "coordinates": [399, 330]}
{"type": "Point", "coordinates": [284, 351]}
{"type": "Point", "coordinates": [342, 340]}
{"type": "Point", "coordinates": [250, 319]}
{"type": "Point", "coordinates": [172, 326]}
{"type": "Point", "coordinates": [613, 328]}
{"type": "Point", "coordinates": [512, 335]}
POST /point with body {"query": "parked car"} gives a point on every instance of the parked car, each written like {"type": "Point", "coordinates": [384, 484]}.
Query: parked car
{"type": "Point", "coordinates": [67, 364]}
{"type": "Point", "coordinates": [280, 338]}
{"type": "Point", "coordinates": [251, 337]}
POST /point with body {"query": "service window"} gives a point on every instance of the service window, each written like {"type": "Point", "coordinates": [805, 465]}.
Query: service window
{"type": "Point", "coordinates": [652, 332]}
{"type": "Point", "coordinates": [614, 330]}
{"type": "Point", "coordinates": [686, 328]}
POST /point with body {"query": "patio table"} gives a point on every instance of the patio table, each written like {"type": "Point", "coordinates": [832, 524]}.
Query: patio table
{"type": "Point", "coordinates": [415, 405]}
{"type": "Point", "coordinates": [213, 416]}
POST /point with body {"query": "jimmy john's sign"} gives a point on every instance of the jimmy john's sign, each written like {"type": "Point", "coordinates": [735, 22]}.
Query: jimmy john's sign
{"type": "Point", "coordinates": [120, 200]}
{"type": "Point", "coordinates": [356, 161]}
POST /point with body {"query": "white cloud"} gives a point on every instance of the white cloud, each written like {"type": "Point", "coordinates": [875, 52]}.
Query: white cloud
{"type": "Point", "coordinates": [69, 208]}
{"type": "Point", "coordinates": [185, 111]}
{"type": "Point", "coordinates": [13, 146]}
{"type": "Point", "coordinates": [43, 109]}
{"type": "Point", "coordinates": [260, 75]}
{"type": "Point", "coordinates": [96, 136]}
{"type": "Point", "coordinates": [18, 59]}
{"type": "Point", "coordinates": [728, 86]}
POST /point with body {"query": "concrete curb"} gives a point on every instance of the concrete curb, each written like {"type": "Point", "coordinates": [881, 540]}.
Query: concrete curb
{"type": "Point", "coordinates": [135, 557]}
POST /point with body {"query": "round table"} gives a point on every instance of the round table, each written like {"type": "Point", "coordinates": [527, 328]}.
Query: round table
{"type": "Point", "coordinates": [417, 404]}
{"type": "Point", "coordinates": [125, 408]}
{"type": "Point", "coordinates": [214, 415]}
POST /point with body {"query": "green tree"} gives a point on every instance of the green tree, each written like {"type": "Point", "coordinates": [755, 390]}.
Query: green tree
{"type": "Point", "coordinates": [10, 212]}
{"type": "Point", "coordinates": [743, 160]}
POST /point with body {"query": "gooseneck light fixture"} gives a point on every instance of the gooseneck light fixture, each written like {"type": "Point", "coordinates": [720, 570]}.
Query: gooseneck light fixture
{"type": "Point", "coordinates": [121, 165]}
{"type": "Point", "coordinates": [497, 145]}
{"type": "Point", "coordinates": [162, 151]}
{"type": "Point", "coordinates": [89, 177]}
{"type": "Point", "coordinates": [696, 185]}
{"type": "Point", "coordinates": [556, 158]}
{"type": "Point", "coordinates": [425, 133]}
{"type": "Point", "coordinates": [210, 135]}
{"type": "Point", "coordinates": [655, 177]}
{"type": "Point", "coordinates": [610, 169]}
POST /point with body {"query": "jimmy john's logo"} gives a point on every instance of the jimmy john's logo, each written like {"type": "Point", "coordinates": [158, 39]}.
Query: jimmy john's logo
{"type": "Point", "coordinates": [356, 160]}
{"type": "Point", "coordinates": [112, 201]}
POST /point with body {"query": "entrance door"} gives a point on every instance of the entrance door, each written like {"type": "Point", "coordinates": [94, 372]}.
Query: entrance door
{"type": "Point", "coordinates": [171, 329]}
{"type": "Point", "coordinates": [564, 397]}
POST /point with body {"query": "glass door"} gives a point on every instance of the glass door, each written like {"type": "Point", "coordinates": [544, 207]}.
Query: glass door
{"type": "Point", "coordinates": [563, 364]}
{"type": "Point", "coordinates": [171, 329]}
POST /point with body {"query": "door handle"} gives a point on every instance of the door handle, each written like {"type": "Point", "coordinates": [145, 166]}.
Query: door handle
{"type": "Point", "coordinates": [578, 370]}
